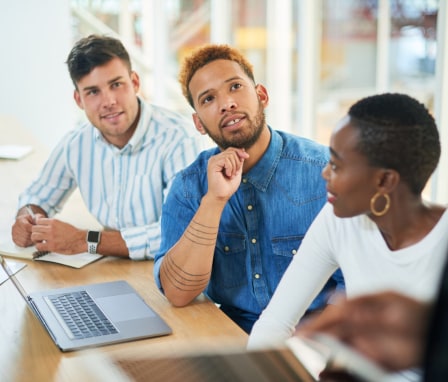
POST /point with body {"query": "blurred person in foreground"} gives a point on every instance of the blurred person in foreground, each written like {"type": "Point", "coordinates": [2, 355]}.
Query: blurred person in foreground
{"type": "Point", "coordinates": [393, 330]}
{"type": "Point", "coordinates": [234, 219]}
{"type": "Point", "coordinates": [376, 227]}
{"type": "Point", "coordinates": [122, 160]}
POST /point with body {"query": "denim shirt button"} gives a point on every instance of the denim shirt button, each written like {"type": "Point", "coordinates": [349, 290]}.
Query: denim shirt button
{"type": "Point", "coordinates": [257, 275]}
{"type": "Point", "coordinates": [226, 249]}
{"type": "Point", "coordinates": [254, 241]}
{"type": "Point", "coordinates": [244, 180]}
{"type": "Point", "coordinates": [250, 207]}
{"type": "Point", "coordinates": [294, 251]}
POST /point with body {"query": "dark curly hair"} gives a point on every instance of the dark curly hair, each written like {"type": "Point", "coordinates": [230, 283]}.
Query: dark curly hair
{"type": "Point", "coordinates": [92, 51]}
{"type": "Point", "coordinates": [203, 56]}
{"type": "Point", "coordinates": [398, 132]}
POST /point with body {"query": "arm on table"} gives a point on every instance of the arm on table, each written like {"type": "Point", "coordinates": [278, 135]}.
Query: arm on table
{"type": "Point", "coordinates": [186, 268]}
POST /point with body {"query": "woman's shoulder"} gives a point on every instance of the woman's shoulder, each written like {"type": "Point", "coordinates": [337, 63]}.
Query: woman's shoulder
{"type": "Point", "coordinates": [341, 226]}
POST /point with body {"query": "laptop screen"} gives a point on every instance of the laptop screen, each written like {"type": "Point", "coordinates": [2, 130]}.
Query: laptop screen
{"type": "Point", "coordinates": [10, 271]}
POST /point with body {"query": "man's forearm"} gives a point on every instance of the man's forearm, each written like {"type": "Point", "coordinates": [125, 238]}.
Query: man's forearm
{"type": "Point", "coordinates": [112, 244]}
{"type": "Point", "coordinates": [186, 268]}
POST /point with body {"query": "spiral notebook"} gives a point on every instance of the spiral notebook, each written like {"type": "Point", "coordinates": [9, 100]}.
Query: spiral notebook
{"type": "Point", "coordinates": [9, 249]}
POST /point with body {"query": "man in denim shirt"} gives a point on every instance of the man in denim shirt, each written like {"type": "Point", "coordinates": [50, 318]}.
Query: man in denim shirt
{"type": "Point", "coordinates": [233, 219]}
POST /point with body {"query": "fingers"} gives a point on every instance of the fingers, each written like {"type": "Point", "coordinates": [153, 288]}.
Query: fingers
{"type": "Point", "coordinates": [41, 232]}
{"type": "Point", "coordinates": [386, 327]}
{"type": "Point", "coordinates": [231, 166]}
{"type": "Point", "coordinates": [21, 231]}
{"type": "Point", "coordinates": [57, 236]}
{"type": "Point", "coordinates": [229, 162]}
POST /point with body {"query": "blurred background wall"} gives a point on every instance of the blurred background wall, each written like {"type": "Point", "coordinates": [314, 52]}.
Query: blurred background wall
{"type": "Point", "coordinates": [316, 57]}
{"type": "Point", "coordinates": [35, 38]}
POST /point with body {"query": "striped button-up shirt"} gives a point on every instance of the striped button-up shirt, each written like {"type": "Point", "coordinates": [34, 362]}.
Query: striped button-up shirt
{"type": "Point", "coordinates": [124, 189]}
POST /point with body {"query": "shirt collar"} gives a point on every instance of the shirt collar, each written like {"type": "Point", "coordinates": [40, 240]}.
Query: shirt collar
{"type": "Point", "coordinates": [142, 126]}
{"type": "Point", "coordinates": [261, 174]}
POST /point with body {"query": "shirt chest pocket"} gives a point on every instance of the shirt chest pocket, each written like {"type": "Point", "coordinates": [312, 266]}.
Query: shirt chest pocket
{"type": "Point", "coordinates": [284, 248]}
{"type": "Point", "coordinates": [229, 263]}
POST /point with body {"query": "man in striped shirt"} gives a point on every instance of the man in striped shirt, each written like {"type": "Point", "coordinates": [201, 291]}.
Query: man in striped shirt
{"type": "Point", "coordinates": [123, 162]}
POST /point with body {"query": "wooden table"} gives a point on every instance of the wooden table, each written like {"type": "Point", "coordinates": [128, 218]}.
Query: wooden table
{"type": "Point", "coordinates": [27, 352]}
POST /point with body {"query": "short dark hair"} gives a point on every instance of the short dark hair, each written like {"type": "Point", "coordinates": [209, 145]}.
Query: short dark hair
{"type": "Point", "coordinates": [203, 56]}
{"type": "Point", "coordinates": [398, 132]}
{"type": "Point", "coordinates": [92, 51]}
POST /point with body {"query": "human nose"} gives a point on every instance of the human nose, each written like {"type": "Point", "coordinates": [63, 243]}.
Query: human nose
{"type": "Point", "coordinates": [228, 104]}
{"type": "Point", "coordinates": [108, 99]}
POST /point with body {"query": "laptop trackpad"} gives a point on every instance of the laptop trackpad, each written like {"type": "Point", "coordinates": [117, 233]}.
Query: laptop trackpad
{"type": "Point", "coordinates": [124, 307]}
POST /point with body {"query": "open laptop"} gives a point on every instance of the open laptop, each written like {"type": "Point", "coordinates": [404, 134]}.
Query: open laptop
{"type": "Point", "coordinates": [92, 315]}
{"type": "Point", "coordinates": [300, 360]}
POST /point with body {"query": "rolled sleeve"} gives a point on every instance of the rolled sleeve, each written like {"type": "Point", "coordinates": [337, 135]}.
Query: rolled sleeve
{"type": "Point", "coordinates": [142, 242]}
{"type": "Point", "coordinates": [156, 272]}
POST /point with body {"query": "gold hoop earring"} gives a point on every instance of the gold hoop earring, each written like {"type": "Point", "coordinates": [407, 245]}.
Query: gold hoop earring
{"type": "Point", "coordinates": [373, 201]}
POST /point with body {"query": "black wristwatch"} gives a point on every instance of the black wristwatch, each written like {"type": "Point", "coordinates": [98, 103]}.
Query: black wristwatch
{"type": "Point", "coordinates": [93, 239]}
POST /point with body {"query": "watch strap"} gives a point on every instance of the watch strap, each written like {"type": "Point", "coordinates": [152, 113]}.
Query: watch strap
{"type": "Point", "coordinates": [93, 239]}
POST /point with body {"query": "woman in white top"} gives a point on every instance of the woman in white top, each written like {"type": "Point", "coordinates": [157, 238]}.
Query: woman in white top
{"type": "Point", "coordinates": [375, 226]}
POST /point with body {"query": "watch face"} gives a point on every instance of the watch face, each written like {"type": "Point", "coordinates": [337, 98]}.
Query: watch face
{"type": "Point", "coordinates": [93, 236]}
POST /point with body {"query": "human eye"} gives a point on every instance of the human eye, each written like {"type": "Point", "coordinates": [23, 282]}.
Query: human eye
{"type": "Point", "coordinates": [236, 86]}
{"type": "Point", "coordinates": [116, 84]}
{"type": "Point", "coordinates": [207, 99]}
{"type": "Point", "coordinates": [332, 165]}
{"type": "Point", "coordinates": [92, 92]}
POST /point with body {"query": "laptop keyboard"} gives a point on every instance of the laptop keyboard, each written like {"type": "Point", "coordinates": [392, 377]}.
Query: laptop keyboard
{"type": "Point", "coordinates": [81, 316]}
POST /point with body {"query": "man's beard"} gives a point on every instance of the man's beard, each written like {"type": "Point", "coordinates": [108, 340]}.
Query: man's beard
{"type": "Point", "coordinates": [240, 139]}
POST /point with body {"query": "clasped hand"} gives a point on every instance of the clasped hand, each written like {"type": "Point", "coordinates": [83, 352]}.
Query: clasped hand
{"type": "Point", "coordinates": [224, 172]}
{"type": "Point", "coordinates": [47, 234]}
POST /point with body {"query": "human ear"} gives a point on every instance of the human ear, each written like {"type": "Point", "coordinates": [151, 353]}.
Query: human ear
{"type": "Point", "coordinates": [135, 81]}
{"type": "Point", "coordinates": [198, 124]}
{"type": "Point", "coordinates": [263, 95]}
{"type": "Point", "coordinates": [78, 100]}
{"type": "Point", "coordinates": [388, 180]}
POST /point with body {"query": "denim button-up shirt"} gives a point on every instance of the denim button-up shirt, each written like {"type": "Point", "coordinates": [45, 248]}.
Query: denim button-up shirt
{"type": "Point", "coordinates": [261, 227]}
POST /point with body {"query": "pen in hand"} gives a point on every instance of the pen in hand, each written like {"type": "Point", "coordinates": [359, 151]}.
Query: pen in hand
{"type": "Point", "coordinates": [31, 213]}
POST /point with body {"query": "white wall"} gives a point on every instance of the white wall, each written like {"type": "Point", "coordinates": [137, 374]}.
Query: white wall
{"type": "Point", "coordinates": [35, 39]}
